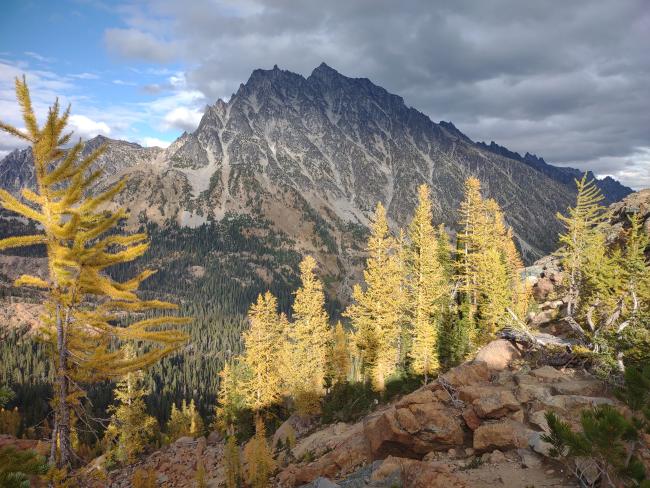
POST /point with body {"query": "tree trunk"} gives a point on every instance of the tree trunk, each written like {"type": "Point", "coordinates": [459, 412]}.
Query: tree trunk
{"type": "Point", "coordinates": [52, 460]}
{"type": "Point", "coordinates": [63, 408]}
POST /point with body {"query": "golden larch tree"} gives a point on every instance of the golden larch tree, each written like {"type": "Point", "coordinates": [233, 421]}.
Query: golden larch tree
{"type": "Point", "coordinates": [580, 238]}
{"type": "Point", "coordinates": [308, 336]}
{"type": "Point", "coordinates": [131, 429]}
{"type": "Point", "coordinates": [262, 343]}
{"type": "Point", "coordinates": [426, 287]}
{"type": "Point", "coordinates": [85, 307]}
{"type": "Point", "coordinates": [338, 362]}
{"type": "Point", "coordinates": [471, 211]}
{"type": "Point", "coordinates": [259, 457]}
{"type": "Point", "coordinates": [377, 311]}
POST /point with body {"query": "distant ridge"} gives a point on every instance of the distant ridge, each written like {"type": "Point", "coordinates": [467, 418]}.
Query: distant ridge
{"type": "Point", "coordinates": [612, 190]}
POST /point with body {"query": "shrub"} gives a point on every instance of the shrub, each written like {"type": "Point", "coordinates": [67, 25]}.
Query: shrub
{"type": "Point", "coordinates": [347, 402]}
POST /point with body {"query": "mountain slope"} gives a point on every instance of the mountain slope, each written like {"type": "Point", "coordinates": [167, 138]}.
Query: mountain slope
{"type": "Point", "coordinates": [612, 190]}
{"type": "Point", "coordinates": [313, 156]}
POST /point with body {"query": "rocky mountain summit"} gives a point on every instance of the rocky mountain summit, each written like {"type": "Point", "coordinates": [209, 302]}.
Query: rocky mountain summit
{"type": "Point", "coordinates": [313, 156]}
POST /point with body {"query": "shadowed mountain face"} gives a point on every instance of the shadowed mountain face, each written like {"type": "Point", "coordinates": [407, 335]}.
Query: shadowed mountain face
{"type": "Point", "coordinates": [612, 190]}
{"type": "Point", "coordinates": [313, 156]}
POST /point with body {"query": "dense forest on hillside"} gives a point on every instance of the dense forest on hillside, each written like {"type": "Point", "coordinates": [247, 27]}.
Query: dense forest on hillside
{"type": "Point", "coordinates": [233, 255]}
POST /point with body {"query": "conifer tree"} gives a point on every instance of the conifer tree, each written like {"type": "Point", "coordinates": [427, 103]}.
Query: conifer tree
{"type": "Point", "coordinates": [232, 463]}
{"type": "Point", "coordinates": [338, 364]}
{"type": "Point", "coordinates": [262, 354]}
{"type": "Point", "coordinates": [259, 458]}
{"type": "Point", "coordinates": [230, 398]}
{"type": "Point", "coordinates": [580, 239]}
{"type": "Point", "coordinates": [471, 214]}
{"type": "Point", "coordinates": [184, 422]}
{"type": "Point", "coordinates": [444, 253]}
{"type": "Point", "coordinates": [377, 311]}
{"type": "Point", "coordinates": [85, 305]}
{"type": "Point", "coordinates": [131, 429]}
{"type": "Point", "coordinates": [427, 287]}
{"type": "Point", "coordinates": [308, 336]}
{"type": "Point", "coordinates": [495, 296]}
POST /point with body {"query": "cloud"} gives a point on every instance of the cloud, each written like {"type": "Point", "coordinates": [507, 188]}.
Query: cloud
{"type": "Point", "coordinates": [567, 82]}
{"type": "Point", "coordinates": [154, 142]}
{"type": "Point", "coordinates": [86, 128]}
{"type": "Point", "coordinates": [85, 76]}
{"type": "Point", "coordinates": [124, 83]}
{"type": "Point", "coordinates": [135, 44]}
{"type": "Point", "coordinates": [182, 118]}
{"type": "Point", "coordinates": [38, 57]}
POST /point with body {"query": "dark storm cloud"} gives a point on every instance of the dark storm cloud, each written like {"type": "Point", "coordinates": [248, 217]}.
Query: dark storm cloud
{"type": "Point", "coordinates": [566, 80]}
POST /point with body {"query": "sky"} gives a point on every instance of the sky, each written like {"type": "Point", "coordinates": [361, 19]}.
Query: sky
{"type": "Point", "coordinates": [566, 80]}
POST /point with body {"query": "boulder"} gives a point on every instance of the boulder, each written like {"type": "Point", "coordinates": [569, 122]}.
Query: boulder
{"type": "Point", "coordinates": [415, 474]}
{"type": "Point", "coordinates": [292, 428]}
{"type": "Point", "coordinates": [321, 482]}
{"type": "Point", "coordinates": [573, 404]}
{"type": "Point", "coordinates": [423, 395]}
{"type": "Point", "coordinates": [214, 437]}
{"type": "Point", "coordinates": [538, 419]}
{"type": "Point", "coordinates": [543, 288]}
{"type": "Point", "coordinates": [538, 445]}
{"type": "Point", "coordinates": [527, 392]}
{"type": "Point", "coordinates": [548, 374]}
{"type": "Point", "coordinates": [529, 459]}
{"type": "Point", "coordinates": [490, 401]}
{"type": "Point", "coordinates": [467, 374]}
{"type": "Point", "coordinates": [588, 387]}
{"type": "Point", "coordinates": [414, 430]}
{"type": "Point", "coordinates": [498, 354]}
{"type": "Point", "coordinates": [506, 434]}
{"type": "Point", "coordinates": [347, 456]}
{"type": "Point", "coordinates": [326, 439]}
{"type": "Point", "coordinates": [471, 419]}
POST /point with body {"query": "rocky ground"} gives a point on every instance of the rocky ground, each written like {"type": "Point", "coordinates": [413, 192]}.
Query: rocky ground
{"type": "Point", "coordinates": [478, 425]}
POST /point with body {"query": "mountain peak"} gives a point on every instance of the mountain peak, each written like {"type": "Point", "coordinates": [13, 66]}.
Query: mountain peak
{"type": "Point", "coordinates": [325, 73]}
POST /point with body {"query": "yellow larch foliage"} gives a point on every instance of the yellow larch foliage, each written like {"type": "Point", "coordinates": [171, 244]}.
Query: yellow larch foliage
{"type": "Point", "coordinates": [377, 311]}
{"type": "Point", "coordinates": [581, 238]}
{"type": "Point", "coordinates": [131, 429]}
{"type": "Point", "coordinates": [85, 308]}
{"type": "Point", "coordinates": [471, 210]}
{"type": "Point", "coordinates": [185, 421]}
{"type": "Point", "coordinates": [308, 336]}
{"type": "Point", "coordinates": [427, 286]}
{"type": "Point", "coordinates": [262, 343]}
{"type": "Point", "coordinates": [259, 457]}
{"type": "Point", "coordinates": [232, 463]}
{"type": "Point", "coordinates": [230, 398]}
{"type": "Point", "coordinates": [338, 364]}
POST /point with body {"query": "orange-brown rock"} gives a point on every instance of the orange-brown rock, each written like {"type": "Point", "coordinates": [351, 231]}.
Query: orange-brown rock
{"type": "Point", "coordinates": [414, 430]}
{"type": "Point", "coordinates": [506, 434]}
{"type": "Point", "coordinates": [467, 374]}
{"type": "Point", "coordinates": [490, 401]}
{"type": "Point", "coordinates": [498, 354]}
{"type": "Point", "coordinates": [417, 474]}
